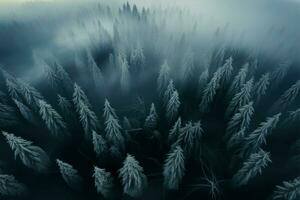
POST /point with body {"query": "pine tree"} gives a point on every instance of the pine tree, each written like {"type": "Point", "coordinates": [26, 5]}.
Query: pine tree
{"type": "Point", "coordinates": [126, 123]}
{"type": "Point", "coordinates": [125, 76]}
{"type": "Point", "coordinates": [278, 75]}
{"type": "Point", "coordinates": [70, 175]}
{"type": "Point", "coordinates": [168, 92]}
{"type": "Point", "coordinates": [103, 182]}
{"type": "Point", "coordinates": [187, 65]}
{"type": "Point", "coordinates": [137, 58]}
{"type": "Point", "coordinates": [175, 131]}
{"type": "Point", "coordinates": [251, 168]}
{"type": "Point", "coordinates": [238, 80]}
{"type": "Point", "coordinates": [261, 87]}
{"type": "Point", "coordinates": [174, 168]}
{"type": "Point", "coordinates": [190, 137]}
{"type": "Point", "coordinates": [65, 107]}
{"type": "Point", "coordinates": [241, 119]}
{"type": "Point", "coordinates": [95, 72]}
{"type": "Point", "coordinates": [132, 177]}
{"type": "Point", "coordinates": [289, 190]}
{"type": "Point", "coordinates": [108, 110]}
{"type": "Point", "coordinates": [258, 137]}
{"type": "Point", "coordinates": [152, 118]}
{"type": "Point", "coordinates": [293, 116]}
{"type": "Point", "coordinates": [52, 120]}
{"type": "Point", "coordinates": [31, 156]}
{"type": "Point", "coordinates": [202, 81]}
{"type": "Point", "coordinates": [287, 97]}
{"type": "Point", "coordinates": [163, 77]}
{"type": "Point", "coordinates": [240, 99]}
{"type": "Point", "coordinates": [9, 186]}
{"type": "Point", "coordinates": [87, 117]}
{"type": "Point", "coordinates": [100, 145]}
{"type": "Point", "coordinates": [236, 139]}
{"type": "Point", "coordinates": [26, 112]}
{"type": "Point", "coordinates": [113, 133]}
{"type": "Point", "coordinates": [173, 106]}
{"type": "Point", "coordinates": [220, 78]}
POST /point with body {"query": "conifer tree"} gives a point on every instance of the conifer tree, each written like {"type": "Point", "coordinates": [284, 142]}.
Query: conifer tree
{"type": "Point", "coordinates": [251, 168]}
{"type": "Point", "coordinates": [175, 131]}
{"type": "Point", "coordinates": [173, 106]}
{"type": "Point", "coordinates": [132, 177]}
{"type": "Point", "coordinates": [87, 117]}
{"type": "Point", "coordinates": [279, 74]}
{"type": "Point", "coordinates": [168, 92]}
{"type": "Point", "coordinates": [125, 76]}
{"type": "Point", "coordinates": [163, 77]}
{"type": "Point", "coordinates": [202, 81]}
{"type": "Point", "coordinates": [238, 80]}
{"type": "Point", "coordinates": [103, 182]}
{"type": "Point", "coordinates": [8, 116]}
{"type": "Point", "coordinates": [65, 107]}
{"type": "Point", "coordinates": [293, 116]}
{"type": "Point", "coordinates": [70, 175]}
{"type": "Point", "coordinates": [289, 190]}
{"type": "Point", "coordinates": [137, 58]}
{"type": "Point", "coordinates": [187, 65]}
{"type": "Point", "coordinates": [258, 137]}
{"type": "Point", "coordinates": [174, 168]}
{"type": "Point", "coordinates": [26, 112]}
{"type": "Point", "coordinates": [241, 119]}
{"type": "Point", "coordinates": [95, 72]}
{"type": "Point", "coordinates": [31, 156]}
{"type": "Point", "coordinates": [9, 186]}
{"type": "Point", "coordinates": [108, 110]}
{"type": "Point", "coordinates": [240, 99]}
{"type": "Point", "coordinates": [287, 97]}
{"type": "Point", "coordinates": [261, 87]}
{"type": "Point", "coordinates": [52, 120]}
{"type": "Point", "coordinates": [220, 78]}
{"type": "Point", "coordinates": [126, 123]}
{"type": "Point", "coordinates": [152, 118]}
{"type": "Point", "coordinates": [190, 137]}
{"type": "Point", "coordinates": [100, 145]}
{"type": "Point", "coordinates": [113, 133]}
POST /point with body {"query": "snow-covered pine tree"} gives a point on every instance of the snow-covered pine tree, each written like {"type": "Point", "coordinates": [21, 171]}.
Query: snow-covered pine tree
{"type": "Point", "coordinates": [137, 58]}
{"type": "Point", "coordinates": [251, 168]}
{"type": "Point", "coordinates": [95, 72]}
{"type": "Point", "coordinates": [31, 156]}
{"type": "Point", "coordinates": [289, 190]}
{"type": "Point", "coordinates": [132, 177]}
{"type": "Point", "coordinates": [108, 110]}
{"type": "Point", "coordinates": [100, 145]}
{"type": "Point", "coordinates": [70, 175]}
{"type": "Point", "coordinates": [255, 139]}
{"type": "Point", "coordinates": [87, 117]}
{"type": "Point", "coordinates": [173, 107]}
{"type": "Point", "coordinates": [220, 78]}
{"type": "Point", "coordinates": [240, 99]}
{"type": "Point", "coordinates": [65, 108]}
{"type": "Point", "coordinates": [260, 88]}
{"type": "Point", "coordinates": [103, 182]}
{"type": "Point", "coordinates": [174, 168]}
{"type": "Point", "coordinates": [163, 77]}
{"type": "Point", "coordinates": [241, 119]}
{"type": "Point", "coordinates": [175, 131]}
{"type": "Point", "coordinates": [9, 186]}
{"type": "Point", "coordinates": [202, 82]}
{"type": "Point", "coordinates": [238, 81]}
{"type": "Point", "coordinates": [236, 139]}
{"type": "Point", "coordinates": [190, 137]}
{"type": "Point", "coordinates": [125, 75]}
{"type": "Point", "coordinates": [152, 118]}
{"type": "Point", "coordinates": [113, 133]}
{"type": "Point", "coordinates": [26, 112]}
{"type": "Point", "coordinates": [53, 121]}
{"type": "Point", "coordinates": [287, 97]}
{"type": "Point", "coordinates": [293, 116]}
{"type": "Point", "coordinates": [168, 92]}
{"type": "Point", "coordinates": [281, 71]}
{"type": "Point", "coordinates": [187, 65]}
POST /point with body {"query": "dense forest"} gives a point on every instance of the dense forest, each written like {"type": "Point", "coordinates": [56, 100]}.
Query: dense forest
{"type": "Point", "coordinates": [132, 108]}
